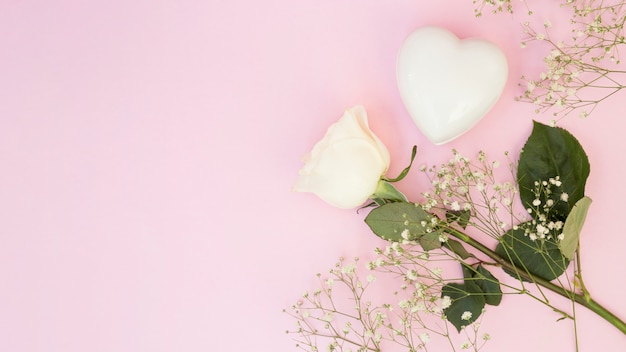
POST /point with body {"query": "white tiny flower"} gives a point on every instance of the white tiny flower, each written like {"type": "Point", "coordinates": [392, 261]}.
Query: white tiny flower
{"type": "Point", "coordinates": [371, 278]}
{"type": "Point", "coordinates": [536, 202]}
{"type": "Point", "coordinates": [455, 206]}
{"type": "Point", "coordinates": [330, 282]}
{"type": "Point", "coordinates": [425, 337]}
{"type": "Point", "coordinates": [348, 269]}
{"type": "Point", "coordinates": [419, 307]}
{"type": "Point", "coordinates": [542, 229]}
{"type": "Point", "coordinates": [467, 315]}
{"type": "Point", "coordinates": [564, 196]}
{"type": "Point", "coordinates": [446, 302]}
{"type": "Point", "coordinates": [377, 337]}
{"type": "Point", "coordinates": [405, 234]}
{"type": "Point", "coordinates": [411, 275]}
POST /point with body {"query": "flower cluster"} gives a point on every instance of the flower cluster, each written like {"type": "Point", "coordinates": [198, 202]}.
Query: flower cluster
{"type": "Point", "coordinates": [494, 6]}
{"type": "Point", "coordinates": [466, 201]}
{"type": "Point", "coordinates": [412, 320]}
{"type": "Point", "coordinates": [580, 69]}
{"type": "Point", "coordinates": [472, 186]}
{"type": "Point", "coordinates": [543, 226]}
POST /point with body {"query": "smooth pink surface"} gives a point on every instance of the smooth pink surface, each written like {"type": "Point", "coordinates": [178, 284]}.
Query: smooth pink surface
{"type": "Point", "coordinates": [148, 149]}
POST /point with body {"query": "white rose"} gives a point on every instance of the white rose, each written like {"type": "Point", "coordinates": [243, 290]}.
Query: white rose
{"type": "Point", "coordinates": [344, 168]}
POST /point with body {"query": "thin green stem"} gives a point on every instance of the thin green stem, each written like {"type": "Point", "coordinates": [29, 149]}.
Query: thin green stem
{"type": "Point", "coordinates": [584, 300]}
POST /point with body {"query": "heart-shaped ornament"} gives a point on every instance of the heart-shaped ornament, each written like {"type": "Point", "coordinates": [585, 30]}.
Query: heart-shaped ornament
{"type": "Point", "coordinates": [447, 84]}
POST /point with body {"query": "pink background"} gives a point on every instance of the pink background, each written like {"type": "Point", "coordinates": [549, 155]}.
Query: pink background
{"type": "Point", "coordinates": [148, 149]}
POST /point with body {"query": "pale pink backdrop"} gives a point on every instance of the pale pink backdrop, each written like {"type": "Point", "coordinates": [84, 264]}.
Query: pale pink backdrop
{"type": "Point", "coordinates": [148, 149]}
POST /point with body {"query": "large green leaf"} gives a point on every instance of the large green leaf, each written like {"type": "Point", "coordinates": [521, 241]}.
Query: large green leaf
{"type": "Point", "coordinates": [488, 284]}
{"type": "Point", "coordinates": [457, 248]}
{"type": "Point", "coordinates": [551, 152]}
{"type": "Point", "coordinates": [465, 297]}
{"type": "Point", "coordinates": [540, 257]}
{"type": "Point", "coordinates": [573, 226]}
{"type": "Point", "coordinates": [390, 221]}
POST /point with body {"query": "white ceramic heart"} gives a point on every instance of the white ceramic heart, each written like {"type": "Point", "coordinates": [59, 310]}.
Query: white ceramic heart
{"type": "Point", "coordinates": [447, 84]}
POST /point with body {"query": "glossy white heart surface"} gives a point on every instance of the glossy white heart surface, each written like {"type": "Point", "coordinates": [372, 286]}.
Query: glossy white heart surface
{"type": "Point", "coordinates": [447, 84]}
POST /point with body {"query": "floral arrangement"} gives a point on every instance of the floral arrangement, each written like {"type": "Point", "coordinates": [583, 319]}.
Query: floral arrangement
{"type": "Point", "coordinates": [524, 223]}
{"type": "Point", "coordinates": [581, 69]}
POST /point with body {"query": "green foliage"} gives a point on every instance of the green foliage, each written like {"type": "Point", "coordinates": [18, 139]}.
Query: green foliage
{"type": "Point", "coordinates": [488, 284]}
{"type": "Point", "coordinates": [479, 287]}
{"type": "Point", "coordinates": [386, 192]}
{"type": "Point", "coordinates": [551, 152]}
{"type": "Point", "coordinates": [401, 221]}
{"type": "Point", "coordinates": [465, 297]}
{"type": "Point", "coordinates": [461, 217]}
{"type": "Point", "coordinates": [573, 227]}
{"type": "Point", "coordinates": [406, 170]}
{"type": "Point", "coordinates": [542, 258]}
{"type": "Point", "coordinates": [458, 249]}
{"type": "Point", "coordinates": [430, 241]}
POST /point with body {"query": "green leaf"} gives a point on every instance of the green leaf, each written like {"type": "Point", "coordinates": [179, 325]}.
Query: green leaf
{"type": "Point", "coordinates": [458, 249]}
{"type": "Point", "coordinates": [461, 217]}
{"type": "Point", "coordinates": [542, 258]}
{"type": "Point", "coordinates": [389, 221]}
{"type": "Point", "coordinates": [465, 297]}
{"type": "Point", "coordinates": [430, 241]}
{"type": "Point", "coordinates": [573, 226]}
{"type": "Point", "coordinates": [386, 191]}
{"type": "Point", "coordinates": [406, 169]}
{"type": "Point", "coordinates": [551, 152]}
{"type": "Point", "coordinates": [489, 285]}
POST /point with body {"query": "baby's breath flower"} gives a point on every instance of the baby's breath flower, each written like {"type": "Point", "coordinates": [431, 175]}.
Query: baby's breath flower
{"type": "Point", "coordinates": [467, 315]}
{"type": "Point", "coordinates": [446, 302]}
{"type": "Point", "coordinates": [412, 275]}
